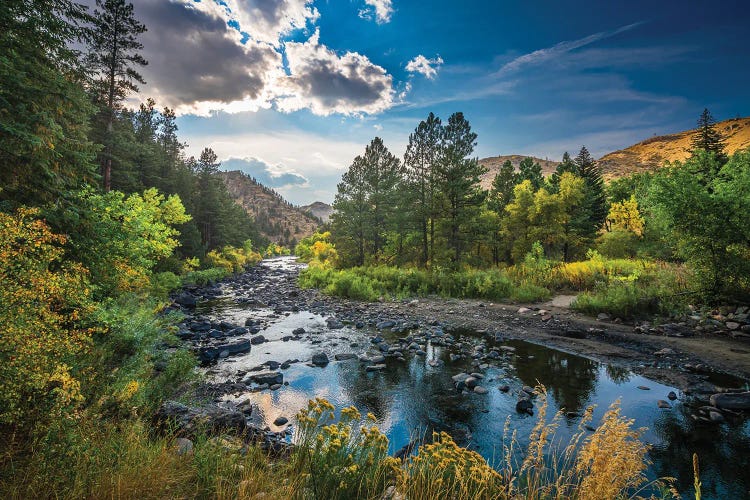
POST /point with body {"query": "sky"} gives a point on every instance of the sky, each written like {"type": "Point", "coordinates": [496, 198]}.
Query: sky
{"type": "Point", "coordinates": [290, 91]}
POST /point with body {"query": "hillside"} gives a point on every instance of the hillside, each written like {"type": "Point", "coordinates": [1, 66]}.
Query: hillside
{"type": "Point", "coordinates": [652, 153]}
{"type": "Point", "coordinates": [494, 163]}
{"type": "Point", "coordinates": [319, 209]}
{"type": "Point", "coordinates": [277, 219]}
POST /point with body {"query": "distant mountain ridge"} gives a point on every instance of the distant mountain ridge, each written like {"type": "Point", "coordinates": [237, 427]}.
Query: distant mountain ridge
{"type": "Point", "coordinates": [277, 219]}
{"type": "Point", "coordinates": [319, 209]}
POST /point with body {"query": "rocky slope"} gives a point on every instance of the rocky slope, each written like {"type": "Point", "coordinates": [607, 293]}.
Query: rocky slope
{"type": "Point", "coordinates": [277, 219]}
{"type": "Point", "coordinates": [319, 209]}
{"type": "Point", "coordinates": [652, 153]}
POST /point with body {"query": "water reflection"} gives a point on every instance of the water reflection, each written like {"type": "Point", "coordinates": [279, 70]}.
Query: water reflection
{"type": "Point", "coordinates": [411, 398]}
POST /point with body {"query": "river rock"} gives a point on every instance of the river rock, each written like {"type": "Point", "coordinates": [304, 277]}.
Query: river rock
{"type": "Point", "coordinates": [320, 359]}
{"type": "Point", "coordinates": [298, 331]}
{"type": "Point", "coordinates": [344, 356]}
{"type": "Point", "coordinates": [258, 339]}
{"type": "Point", "coordinates": [375, 368]}
{"type": "Point", "coordinates": [525, 406]}
{"type": "Point", "coordinates": [603, 317]}
{"type": "Point", "coordinates": [504, 388]}
{"type": "Point", "coordinates": [480, 390]}
{"type": "Point", "coordinates": [382, 325]}
{"type": "Point", "coordinates": [265, 377]}
{"type": "Point", "coordinates": [189, 421]}
{"type": "Point", "coordinates": [470, 382]}
{"type": "Point", "coordinates": [663, 404]}
{"type": "Point", "coordinates": [280, 421]}
{"type": "Point", "coordinates": [184, 446]}
{"type": "Point", "coordinates": [186, 300]}
{"type": "Point", "coordinates": [671, 396]}
{"type": "Point", "coordinates": [731, 400]}
{"type": "Point", "coordinates": [715, 416]}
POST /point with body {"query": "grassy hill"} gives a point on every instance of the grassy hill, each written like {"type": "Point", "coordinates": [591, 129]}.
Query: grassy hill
{"type": "Point", "coordinates": [647, 155]}
{"type": "Point", "coordinates": [652, 153]}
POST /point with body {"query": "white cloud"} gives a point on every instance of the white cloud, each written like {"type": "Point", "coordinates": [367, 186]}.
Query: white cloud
{"type": "Point", "coordinates": [199, 64]}
{"type": "Point", "coordinates": [551, 53]}
{"type": "Point", "coordinates": [327, 83]}
{"type": "Point", "coordinates": [427, 67]}
{"type": "Point", "coordinates": [269, 20]}
{"type": "Point", "coordinates": [381, 9]}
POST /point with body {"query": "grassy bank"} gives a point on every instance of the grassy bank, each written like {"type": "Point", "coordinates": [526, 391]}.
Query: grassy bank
{"type": "Point", "coordinates": [336, 459]}
{"type": "Point", "coordinates": [622, 287]}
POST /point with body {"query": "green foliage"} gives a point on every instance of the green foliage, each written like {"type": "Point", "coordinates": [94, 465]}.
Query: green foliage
{"type": "Point", "coordinates": [617, 244]}
{"type": "Point", "coordinates": [707, 218]}
{"type": "Point", "coordinates": [204, 277]}
{"type": "Point", "coordinates": [121, 238]}
{"type": "Point", "coordinates": [233, 260]}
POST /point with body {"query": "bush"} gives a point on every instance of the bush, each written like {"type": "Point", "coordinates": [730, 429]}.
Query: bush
{"type": "Point", "coordinates": [232, 259]}
{"type": "Point", "coordinates": [204, 277]}
{"type": "Point", "coordinates": [317, 249]}
{"type": "Point", "coordinates": [618, 244]}
{"type": "Point", "coordinates": [45, 327]}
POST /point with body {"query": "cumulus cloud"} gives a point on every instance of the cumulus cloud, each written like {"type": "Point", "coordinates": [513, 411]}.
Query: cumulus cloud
{"type": "Point", "coordinates": [427, 67]}
{"type": "Point", "coordinates": [269, 20]}
{"type": "Point", "coordinates": [271, 176]}
{"type": "Point", "coordinates": [326, 82]}
{"type": "Point", "coordinates": [228, 56]}
{"type": "Point", "coordinates": [381, 10]}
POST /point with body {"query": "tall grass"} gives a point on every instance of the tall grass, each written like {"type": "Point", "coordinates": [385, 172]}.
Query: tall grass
{"type": "Point", "coordinates": [334, 459]}
{"type": "Point", "coordinates": [622, 287]}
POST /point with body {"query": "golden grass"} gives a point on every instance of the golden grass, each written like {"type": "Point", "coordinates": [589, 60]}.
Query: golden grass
{"type": "Point", "coordinates": [336, 459]}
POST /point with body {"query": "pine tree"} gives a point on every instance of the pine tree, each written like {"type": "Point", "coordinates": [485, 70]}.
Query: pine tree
{"type": "Point", "coordinates": [459, 181]}
{"type": "Point", "coordinates": [593, 208]}
{"type": "Point", "coordinates": [383, 173]}
{"type": "Point", "coordinates": [707, 137]}
{"type": "Point", "coordinates": [501, 192]}
{"type": "Point", "coordinates": [421, 158]}
{"type": "Point", "coordinates": [709, 140]}
{"type": "Point", "coordinates": [566, 165]}
{"type": "Point", "coordinates": [349, 217]}
{"type": "Point", "coordinates": [113, 57]}
{"type": "Point", "coordinates": [44, 147]}
{"type": "Point", "coordinates": [530, 170]}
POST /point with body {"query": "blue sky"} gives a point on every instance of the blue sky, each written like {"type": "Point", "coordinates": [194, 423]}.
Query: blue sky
{"type": "Point", "coordinates": [292, 90]}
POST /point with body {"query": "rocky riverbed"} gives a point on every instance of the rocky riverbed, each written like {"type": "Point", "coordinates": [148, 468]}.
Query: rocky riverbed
{"type": "Point", "coordinates": [463, 366]}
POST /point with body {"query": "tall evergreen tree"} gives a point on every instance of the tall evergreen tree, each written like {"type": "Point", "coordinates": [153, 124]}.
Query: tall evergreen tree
{"type": "Point", "coordinates": [707, 137]}
{"type": "Point", "coordinates": [382, 174]}
{"type": "Point", "coordinates": [593, 208]}
{"type": "Point", "coordinates": [566, 165]}
{"type": "Point", "coordinates": [530, 170]}
{"type": "Point", "coordinates": [501, 192]}
{"type": "Point", "coordinates": [350, 212]}
{"type": "Point", "coordinates": [44, 146]}
{"type": "Point", "coordinates": [421, 159]}
{"type": "Point", "coordinates": [113, 57]}
{"type": "Point", "coordinates": [459, 181]}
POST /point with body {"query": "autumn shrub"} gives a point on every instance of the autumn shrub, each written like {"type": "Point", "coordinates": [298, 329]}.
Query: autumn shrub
{"type": "Point", "coordinates": [233, 259]}
{"type": "Point", "coordinates": [274, 250]}
{"type": "Point", "coordinates": [45, 321]}
{"type": "Point", "coordinates": [341, 459]}
{"type": "Point", "coordinates": [317, 249]}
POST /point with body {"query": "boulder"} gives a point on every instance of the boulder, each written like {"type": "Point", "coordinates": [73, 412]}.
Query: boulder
{"type": "Point", "coordinates": [525, 406]}
{"type": "Point", "coordinates": [320, 359]}
{"type": "Point", "coordinates": [265, 377]}
{"type": "Point", "coordinates": [258, 339]}
{"type": "Point", "coordinates": [186, 300]}
{"type": "Point", "coordinates": [189, 420]}
{"type": "Point", "coordinates": [731, 400]}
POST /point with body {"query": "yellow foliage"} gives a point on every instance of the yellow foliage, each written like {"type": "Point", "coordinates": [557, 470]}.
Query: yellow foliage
{"type": "Point", "coordinates": [44, 303]}
{"type": "Point", "coordinates": [625, 215]}
{"type": "Point", "coordinates": [233, 260]}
